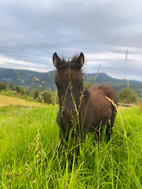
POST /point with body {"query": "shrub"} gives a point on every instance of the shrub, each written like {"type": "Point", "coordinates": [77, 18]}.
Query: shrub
{"type": "Point", "coordinates": [127, 96]}
{"type": "Point", "coordinates": [48, 96]}
{"type": "Point", "coordinates": [18, 89]}
{"type": "Point", "coordinates": [35, 94]}
{"type": "Point", "coordinates": [3, 86]}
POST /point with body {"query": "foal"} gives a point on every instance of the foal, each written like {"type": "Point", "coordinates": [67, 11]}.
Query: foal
{"type": "Point", "coordinates": [80, 110]}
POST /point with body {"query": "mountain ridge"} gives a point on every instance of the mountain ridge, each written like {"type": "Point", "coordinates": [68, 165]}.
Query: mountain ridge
{"type": "Point", "coordinates": [46, 79]}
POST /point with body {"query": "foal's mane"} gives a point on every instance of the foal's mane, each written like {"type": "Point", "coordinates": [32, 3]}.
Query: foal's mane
{"type": "Point", "coordinates": [73, 64]}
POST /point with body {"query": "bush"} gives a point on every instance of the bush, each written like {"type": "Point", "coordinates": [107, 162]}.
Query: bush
{"type": "Point", "coordinates": [127, 96]}
{"type": "Point", "coordinates": [19, 90]}
{"type": "Point", "coordinates": [48, 96]}
{"type": "Point", "coordinates": [3, 86]}
{"type": "Point", "coordinates": [35, 94]}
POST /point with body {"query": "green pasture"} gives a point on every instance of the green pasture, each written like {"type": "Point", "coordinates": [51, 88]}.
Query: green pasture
{"type": "Point", "coordinates": [29, 156]}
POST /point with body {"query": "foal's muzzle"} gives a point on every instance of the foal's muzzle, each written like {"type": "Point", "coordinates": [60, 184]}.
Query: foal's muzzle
{"type": "Point", "coordinates": [68, 114]}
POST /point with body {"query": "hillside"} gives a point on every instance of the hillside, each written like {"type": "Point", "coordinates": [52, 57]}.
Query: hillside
{"type": "Point", "coordinates": [25, 78]}
{"type": "Point", "coordinates": [6, 101]}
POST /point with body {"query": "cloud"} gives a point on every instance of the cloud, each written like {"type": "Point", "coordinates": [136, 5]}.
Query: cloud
{"type": "Point", "coordinates": [20, 64]}
{"type": "Point", "coordinates": [31, 31]}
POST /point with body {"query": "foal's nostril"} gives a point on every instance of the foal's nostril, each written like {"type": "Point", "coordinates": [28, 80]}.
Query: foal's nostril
{"type": "Point", "coordinates": [63, 111]}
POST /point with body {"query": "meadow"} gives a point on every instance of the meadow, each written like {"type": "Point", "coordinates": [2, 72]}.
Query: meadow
{"type": "Point", "coordinates": [29, 157]}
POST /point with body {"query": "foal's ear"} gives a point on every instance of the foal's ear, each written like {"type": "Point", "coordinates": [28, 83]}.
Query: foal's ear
{"type": "Point", "coordinates": [81, 59]}
{"type": "Point", "coordinates": [56, 60]}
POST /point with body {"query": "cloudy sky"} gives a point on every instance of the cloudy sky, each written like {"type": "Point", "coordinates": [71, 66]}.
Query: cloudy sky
{"type": "Point", "coordinates": [32, 30]}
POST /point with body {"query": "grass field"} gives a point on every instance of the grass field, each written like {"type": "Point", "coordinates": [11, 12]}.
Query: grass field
{"type": "Point", "coordinates": [13, 101]}
{"type": "Point", "coordinates": [29, 157]}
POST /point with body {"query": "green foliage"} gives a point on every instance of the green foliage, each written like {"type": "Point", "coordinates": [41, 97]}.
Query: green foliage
{"type": "Point", "coordinates": [9, 88]}
{"type": "Point", "coordinates": [35, 93]}
{"type": "Point", "coordinates": [127, 96]}
{"type": "Point", "coordinates": [48, 96]}
{"type": "Point", "coordinates": [3, 86]}
{"type": "Point", "coordinates": [19, 90]}
{"type": "Point", "coordinates": [29, 156]}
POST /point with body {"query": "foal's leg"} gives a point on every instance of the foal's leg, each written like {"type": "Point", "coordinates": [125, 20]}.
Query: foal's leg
{"type": "Point", "coordinates": [108, 132]}
{"type": "Point", "coordinates": [110, 124]}
{"type": "Point", "coordinates": [64, 137]}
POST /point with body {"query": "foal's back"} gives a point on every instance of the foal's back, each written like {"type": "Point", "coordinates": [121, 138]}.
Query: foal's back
{"type": "Point", "coordinates": [107, 91]}
{"type": "Point", "coordinates": [99, 110]}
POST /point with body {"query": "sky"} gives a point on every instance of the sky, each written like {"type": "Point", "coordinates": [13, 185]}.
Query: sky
{"type": "Point", "coordinates": [32, 30]}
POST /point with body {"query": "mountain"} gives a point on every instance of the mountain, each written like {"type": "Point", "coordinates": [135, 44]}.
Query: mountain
{"type": "Point", "coordinates": [46, 80]}
{"type": "Point", "coordinates": [26, 78]}
{"type": "Point", "coordinates": [116, 84]}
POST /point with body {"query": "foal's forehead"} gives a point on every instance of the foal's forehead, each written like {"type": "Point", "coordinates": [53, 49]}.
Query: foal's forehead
{"type": "Point", "coordinates": [64, 74]}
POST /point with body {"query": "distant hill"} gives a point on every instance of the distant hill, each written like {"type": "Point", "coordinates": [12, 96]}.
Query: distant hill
{"type": "Point", "coordinates": [116, 84]}
{"type": "Point", "coordinates": [25, 78]}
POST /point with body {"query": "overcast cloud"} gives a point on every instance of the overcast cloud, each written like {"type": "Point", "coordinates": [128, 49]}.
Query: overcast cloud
{"type": "Point", "coordinates": [32, 30]}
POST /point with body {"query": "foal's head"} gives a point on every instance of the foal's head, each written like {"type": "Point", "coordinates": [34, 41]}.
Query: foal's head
{"type": "Point", "coordinates": [69, 83]}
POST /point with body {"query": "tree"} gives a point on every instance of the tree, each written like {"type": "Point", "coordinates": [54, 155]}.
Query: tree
{"type": "Point", "coordinates": [35, 94]}
{"type": "Point", "coordinates": [127, 96]}
{"type": "Point", "coordinates": [48, 96]}
{"type": "Point", "coordinates": [3, 86]}
{"type": "Point", "coordinates": [20, 90]}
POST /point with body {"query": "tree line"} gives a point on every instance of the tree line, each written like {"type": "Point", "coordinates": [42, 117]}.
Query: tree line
{"type": "Point", "coordinates": [50, 97]}
{"type": "Point", "coordinates": [46, 96]}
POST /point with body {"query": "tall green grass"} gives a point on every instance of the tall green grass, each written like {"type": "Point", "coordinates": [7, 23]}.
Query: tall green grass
{"type": "Point", "coordinates": [29, 156]}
